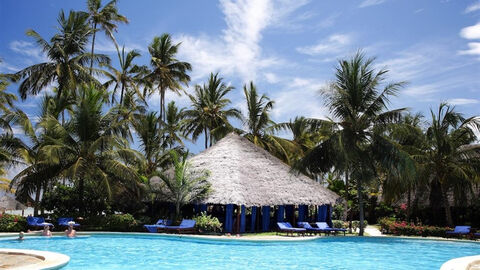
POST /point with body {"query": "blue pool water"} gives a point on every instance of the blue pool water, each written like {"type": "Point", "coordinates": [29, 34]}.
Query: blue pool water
{"type": "Point", "coordinates": [149, 252]}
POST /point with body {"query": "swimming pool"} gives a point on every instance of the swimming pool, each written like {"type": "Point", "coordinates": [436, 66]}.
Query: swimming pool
{"type": "Point", "coordinates": [157, 252]}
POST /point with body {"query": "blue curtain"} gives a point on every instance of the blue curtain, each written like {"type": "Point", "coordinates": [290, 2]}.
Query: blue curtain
{"type": "Point", "coordinates": [290, 211]}
{"type": "Point", "coordinates": [253, 219]}
{"type": "Point", "coordinates": [265, 218]}
{"type": "Point", "coordinates": [322, 213]}
{"type": "Point", "coordinates": [280, 213]}
{"type": "Point", "coordinates": [242, 219]}
{"type": "Point", "coordinates": [302, 209]}
{"type": "Point", "coordinates": [228, 218]}
{"type": "Point", "coordinates": [203, 207]}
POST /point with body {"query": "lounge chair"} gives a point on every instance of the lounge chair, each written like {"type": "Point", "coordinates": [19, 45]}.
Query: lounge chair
{"type": "Point", "coordinates": [37, 222]}
{"type": "Point", "coordinates": [458, 231]}
{"type": "Point", "coordinates": [161, 223]}
{"type": "Point", "coordinates": [309, 228]}
{"type": "Point", "coordinates": [187, 226]}
{"type": "Point", "coordinates": [324, 226]}
{"type": "Point", "coordinates": [287, 228]}
{"type": "Point", "coordinates": [63, 221]}
{"type": "Point", "coordinates": [476, 235]}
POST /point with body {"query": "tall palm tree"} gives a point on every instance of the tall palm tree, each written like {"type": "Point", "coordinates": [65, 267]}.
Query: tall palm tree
{"type": "Point", "coordinates": [91, 145]}
{"type": "Point", "coordinates": [210, 113]}
{"type": "Point", "coordinates": [67, 58]}
{"type": "Point", "coordinates": [450, 155]}
{"type": "Point", "coordinates": [173, 126]}
{"type": "Point", "coordinates": [106, 18]}
{"type": "Point", "coordinates": [357, 137]}
{"type": "Point", "coordinates": [128, 77]}
{"type": "Point", "coordinates": [260, 127]}
{"type": "Point", "coordinates": [167, 71]}
{"type": "Point", "coordinates": [183, 186]}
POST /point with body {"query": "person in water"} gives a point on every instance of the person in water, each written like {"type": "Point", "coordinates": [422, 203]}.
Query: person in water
{"type": "Point", "coordinates": [20, 236]}
{"type": "Point", "coordinates": [70, 232]}
{"type": "Point", "coordinates": [46, 231]}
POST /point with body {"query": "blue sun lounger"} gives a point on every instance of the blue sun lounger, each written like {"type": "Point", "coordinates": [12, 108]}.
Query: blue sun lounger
{"type": "Point", "coordinates": [309, 228]}
{"type": "Point", "coordinates": [324, 226]}
{"type": "Point", "coordinates": [459, 231]}
{"type": "Point", "coordinates": [63, 221]}
{"type": "Point", "coordinates": [187, 226]}
{"type": "Point", "coordinates": [287, 228]}
{"type": "Point", "coordinates": [37, 222]}
{"type": "Point", "coordinates": [161, 223]}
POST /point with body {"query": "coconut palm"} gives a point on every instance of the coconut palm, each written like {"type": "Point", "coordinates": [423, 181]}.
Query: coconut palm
{"type": "Point", "coordinates": [91, 145]}
{"type": "Point", "coordinates": [183, 186]}
{"type": "Point", "coordinates": [173, 126]}
{"type": "Point", "coordinates": [66, 56]}
{"type": "Point", "coordinates": [450, 155]}
{"type": "Point", "coordinates": [128, 77]}
{"type": "Point", "coordinates": [357, 137]}
{"type": "Point", "coordinates": [260, 127]}
{"type": "Point", "coordinates": [209, 114]}
{"type": "Point", "coordinates": [167, 71]}
{"type": "Point", "coordinates": [106, 18]}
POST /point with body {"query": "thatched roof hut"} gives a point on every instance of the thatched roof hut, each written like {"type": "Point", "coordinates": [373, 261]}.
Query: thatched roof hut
{"type": "Point", "coordinates": [242, 173]}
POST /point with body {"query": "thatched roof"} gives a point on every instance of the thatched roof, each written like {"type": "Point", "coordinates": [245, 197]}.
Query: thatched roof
{"type": "Point", "coordinates": [9, 203]}
{"type": "Point", "coordinates": [242, 173]}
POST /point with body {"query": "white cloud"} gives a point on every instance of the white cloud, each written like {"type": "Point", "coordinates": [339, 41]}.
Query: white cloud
{"type": "Point", "coordinates": [271, 77]}
{"type": "Point", "coordinates": [463, 101]}
{"type": "Point", "coordinates": [28, 49]}
{"type": "Point", "coordinates": [237, 51]}
{"type": "Point", "coordinates": [329, 21]}
{"type": "Point", "coordinates": [7, 68]}
{"type": "Point", "coordinates": [368, 3]}
{"type": "Point", "coordinates": [474, 49]}
{"type": "Point", "coordinates": [332, 45]}
{"type": "Point", "coordinates": [473, 7]}
{"type": "Point", "coordinates": [471, 32]}
{"type": "Point", "coordinates": [299, 97]}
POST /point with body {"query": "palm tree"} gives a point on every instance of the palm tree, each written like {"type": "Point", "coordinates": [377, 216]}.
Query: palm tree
{"type": "Point", "coordinates": [260, 127]}
{"type": "Point", "coordinates": [168, 72]}
{"type": "Point", "coordinates": [209, 114]}
{"type": "Point", "coordinates": [91, 145]}
{"type": "Point", "coordinates": [105, 18]}
{"type": "Point", "coordinates": [183, 186]}
{"type": "Point", "coordinates": [450, 155]}
{"type": "Point", "coordinates": [173, 126]}
{"type": "Point", "coordinates": [128, 77]}
{"type": "Point", "coordinates": [66, 58]}
{"type": "Point", "coordinates": [357, 136]}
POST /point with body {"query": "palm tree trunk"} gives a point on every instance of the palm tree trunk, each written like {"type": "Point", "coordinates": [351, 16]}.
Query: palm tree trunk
{"type": "Point", "coordinates": [446, 205]}
{"type": "Point", "coordinates": [206, 138]}
{"type": "Point", "coordinates": [347, 184]}
{"type": "Point", "coordinates": [360, 206]}
{"type": "Point", "coordinates": [81, 189]}
{"type": "Point", "coordinates": [37, 200]}
{"type": "Point", "coordinates": [409, 202]}
{"type": "Point", "coordinates": [121, 95]}
{"type": "Point", "coordinates": [93, 47]}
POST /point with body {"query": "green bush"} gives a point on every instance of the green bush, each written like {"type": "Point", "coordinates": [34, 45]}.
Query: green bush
{"type": "Point", "coordinates": [356, 224]}
{"type": "Point", "coordinates": [339, 224]}
{"type": "Point", "coordinates": [120, 222]}
{"type": "Point", "coordinates": [12, 223]}
{"type": "Point", "coordinates": [206, 223]}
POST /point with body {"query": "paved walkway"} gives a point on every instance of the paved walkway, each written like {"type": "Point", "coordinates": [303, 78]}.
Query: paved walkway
{"type": "Point", "coordinates": [373, 231]}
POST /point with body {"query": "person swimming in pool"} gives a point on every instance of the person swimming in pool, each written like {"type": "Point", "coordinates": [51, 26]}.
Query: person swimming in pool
{"type": "Point", "coordinates": [20, 236]}
{"type": "Point", "coordinates": [70, 232]}
{"type": "Point", "coordinates": [46, 231]}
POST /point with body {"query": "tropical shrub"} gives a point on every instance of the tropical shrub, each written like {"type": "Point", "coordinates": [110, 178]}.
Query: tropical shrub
{"type": "Point", "coordinates": [12, 223]}
{"type": "Point", "coordinates": [207, 223]}
{"type": "Point", "coordinates": [391, 226]}
{"type": "Point", "coordinates": [356, 224]}
{"type": "Point", "coordinates": [120, 222]}
{"type": "Point", "coordinates": [339, 224]}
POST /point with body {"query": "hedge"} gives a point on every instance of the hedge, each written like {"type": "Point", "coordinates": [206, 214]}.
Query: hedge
{"type": "Point", "coordinates": [391, 226]}
{"type": "Point", "coordinates": [12, 223]}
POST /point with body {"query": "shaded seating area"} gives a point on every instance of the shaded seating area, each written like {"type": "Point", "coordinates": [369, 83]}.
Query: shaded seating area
{"type": "Point", "coordinates": [287, 228]}
{"type": "Point", "coordinates": [325, 227]}
{"type": "Point", "coordinates": [251, 190]}
{"type": "Point", "coordinates": [37, 222]}
{"type": "Point", "coordinates": [458, 231]}
{"type": "Point", "coordinates": [63, 221]}
{"type": "Point", "coordinates": [186, 226]}
{"type": "Point", "coordinates": [161, 223]}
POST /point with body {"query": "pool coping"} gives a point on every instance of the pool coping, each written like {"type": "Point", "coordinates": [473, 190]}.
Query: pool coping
{"type": "Point", "coordinates": [51, 260]}
{"type": "Point", "coordinates": [462, 263]}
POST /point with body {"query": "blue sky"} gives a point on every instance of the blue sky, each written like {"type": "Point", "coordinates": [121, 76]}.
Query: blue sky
{"type": "Point", "coordinates": [289, 48]}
